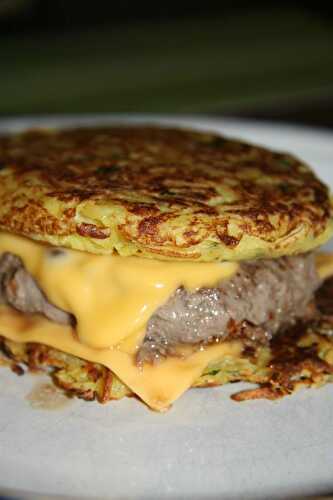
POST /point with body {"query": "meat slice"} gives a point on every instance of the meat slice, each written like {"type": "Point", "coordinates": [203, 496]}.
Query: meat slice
{"type": "Point", "coordinates": [263, 297]}
{"type": "Point", "coordinates": [19, 290]}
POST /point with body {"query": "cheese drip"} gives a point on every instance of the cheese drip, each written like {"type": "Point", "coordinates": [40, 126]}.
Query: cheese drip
{"type": "Point", "coordinates": [111, 297]}
{"type": "Point", "coordinates": [324, 265]}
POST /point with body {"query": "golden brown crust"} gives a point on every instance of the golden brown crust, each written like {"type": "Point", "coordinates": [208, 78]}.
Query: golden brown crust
{"type": "Point", "coordinates": [161, 193]}
{"type": "Point", "coordinates": [303, 358]}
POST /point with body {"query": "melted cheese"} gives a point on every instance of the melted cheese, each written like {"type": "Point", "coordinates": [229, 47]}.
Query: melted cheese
{"type": "Point", "coordinates": [112, 299]}
{"type": "Point", "coordinates": [324, 264]}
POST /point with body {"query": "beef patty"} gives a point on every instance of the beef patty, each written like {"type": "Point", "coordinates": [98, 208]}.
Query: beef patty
{"type": "Point", "coordinates": [264, 296]}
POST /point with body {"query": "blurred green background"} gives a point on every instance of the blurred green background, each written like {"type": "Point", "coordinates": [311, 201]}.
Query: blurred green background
{"type": "Point", "coordinates": [256, 59]}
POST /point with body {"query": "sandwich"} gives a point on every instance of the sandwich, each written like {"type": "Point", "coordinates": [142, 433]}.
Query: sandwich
{"type": "Point", "coordinates": [142, 261]}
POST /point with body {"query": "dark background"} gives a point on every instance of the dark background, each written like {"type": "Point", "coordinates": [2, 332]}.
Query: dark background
{"type": "Point", "coordinates": [266, 60]}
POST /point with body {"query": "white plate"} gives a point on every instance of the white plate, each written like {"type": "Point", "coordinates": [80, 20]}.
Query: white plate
{"type": "Point", "coordinates": [207, 446]}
